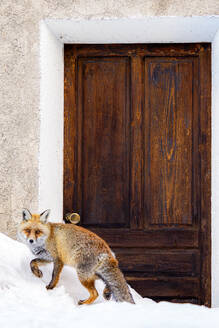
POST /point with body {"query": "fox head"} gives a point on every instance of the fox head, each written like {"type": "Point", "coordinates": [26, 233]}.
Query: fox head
{"type": "Point", "coordinates": [33, 229]}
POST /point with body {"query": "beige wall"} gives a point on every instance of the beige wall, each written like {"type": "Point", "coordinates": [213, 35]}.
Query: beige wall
{"type": "Point", "coordinates": [20, 78]}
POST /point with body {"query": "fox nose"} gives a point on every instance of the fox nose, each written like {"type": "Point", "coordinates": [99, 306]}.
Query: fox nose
{"type": "Point", "coordinates": [31, 241]}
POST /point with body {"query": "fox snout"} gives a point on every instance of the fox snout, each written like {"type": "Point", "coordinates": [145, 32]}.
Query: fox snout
{"type": "Point", "coordinates": [30, 236]}
{"type": "Point", "coordinates": [31, 241]}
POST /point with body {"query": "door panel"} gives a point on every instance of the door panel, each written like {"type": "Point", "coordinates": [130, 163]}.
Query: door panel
{"type": "Point", "coordinates": [147, 262]}
{"type": "Point", "coordinates": [167, 288]}
{"type": "Point", "coordinates": [151, 238]}
{"type": "Point", "coordinates": [169, 140]}
{"type": "Point", "coordinates": [105, 139]}
{"type": "Point", "coordinates": [137, 160]}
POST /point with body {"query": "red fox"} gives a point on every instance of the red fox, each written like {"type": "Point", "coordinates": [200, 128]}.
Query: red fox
{"type": "Point", "coordinates": [75, 246]}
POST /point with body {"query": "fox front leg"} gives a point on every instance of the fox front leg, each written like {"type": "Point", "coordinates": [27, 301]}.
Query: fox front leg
{"type": "Point", "coordinates": [34, 265]}
{"type": "Point", "coordinates": [58, 265]}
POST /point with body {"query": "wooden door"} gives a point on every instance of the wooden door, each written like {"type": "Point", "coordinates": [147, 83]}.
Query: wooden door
{"type": "Point", "coordinates": [137, 160]}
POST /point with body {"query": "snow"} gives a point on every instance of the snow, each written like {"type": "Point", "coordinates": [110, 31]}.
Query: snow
{"type": "Point", "coordinates": [25, 302]}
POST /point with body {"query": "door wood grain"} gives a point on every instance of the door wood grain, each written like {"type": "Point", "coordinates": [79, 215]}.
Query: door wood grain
{"type": "Point", "coordinates": [137, 160]}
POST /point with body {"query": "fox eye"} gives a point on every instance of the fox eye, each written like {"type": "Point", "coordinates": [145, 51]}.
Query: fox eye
{"type": "Point", "coordinates": [37, 232]}
{"type": "Point", "coordinates": [27, 230]}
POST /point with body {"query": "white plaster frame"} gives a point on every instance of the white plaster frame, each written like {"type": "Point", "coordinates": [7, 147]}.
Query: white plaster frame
{"type": "Point", "coordinates": [54, 33]}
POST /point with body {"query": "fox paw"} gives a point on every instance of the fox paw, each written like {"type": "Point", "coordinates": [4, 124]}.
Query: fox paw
{"type": "Point", "coordinates": [107, 293]}
{"type": "Point", "coordinates": [49, 287]}
{"type": "Point", "coordinates": [81, 302]}
{"type": "Point", "coordinates": [38, 273]}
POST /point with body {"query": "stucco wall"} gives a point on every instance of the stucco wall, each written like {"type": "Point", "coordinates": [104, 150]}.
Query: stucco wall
{"type": "Point", "coordinates": [20, 81]}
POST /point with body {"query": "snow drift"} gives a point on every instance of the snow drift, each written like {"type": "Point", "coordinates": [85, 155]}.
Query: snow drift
{"type": "Point", "coordinates": [25, 302]}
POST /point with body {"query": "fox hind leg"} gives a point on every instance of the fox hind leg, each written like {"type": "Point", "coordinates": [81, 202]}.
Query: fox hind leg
{"type": "Point", "coordinates": [89, 284]}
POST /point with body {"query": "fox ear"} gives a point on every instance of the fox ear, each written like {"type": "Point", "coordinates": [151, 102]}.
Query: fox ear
{"type": "Point", "coordinates": [26, 214]}
{"type": "Point", "coordinates": [44, 216]}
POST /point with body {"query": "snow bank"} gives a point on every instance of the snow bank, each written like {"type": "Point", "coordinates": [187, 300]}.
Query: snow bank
{"type": "Point", "coordinates": [25, 302]}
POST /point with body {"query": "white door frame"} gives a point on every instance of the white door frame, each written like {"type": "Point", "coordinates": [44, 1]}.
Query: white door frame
{"type": "Point", "coordinates": [54, 33]}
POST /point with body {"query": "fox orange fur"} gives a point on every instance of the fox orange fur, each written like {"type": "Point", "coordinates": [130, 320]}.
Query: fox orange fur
{"type": "Point", "coordinates": [75, 246]}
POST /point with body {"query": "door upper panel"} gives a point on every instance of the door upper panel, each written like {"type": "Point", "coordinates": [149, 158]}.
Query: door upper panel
{"type": "Point", "coordinates": [103, 96]}
{"type": "Point", "coordinates": [170, 152]}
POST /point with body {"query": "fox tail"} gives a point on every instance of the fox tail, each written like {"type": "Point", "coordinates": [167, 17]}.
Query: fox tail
{"type": "Point", "coordinates": [110, 273]}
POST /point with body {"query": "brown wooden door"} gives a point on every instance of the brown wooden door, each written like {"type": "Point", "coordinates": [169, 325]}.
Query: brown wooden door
{"type": "Point", "coordinates": [137, 160]}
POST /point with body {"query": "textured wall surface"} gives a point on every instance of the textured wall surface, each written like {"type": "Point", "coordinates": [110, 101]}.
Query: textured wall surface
{"type": "Point", "coordinates": [20, 83]}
